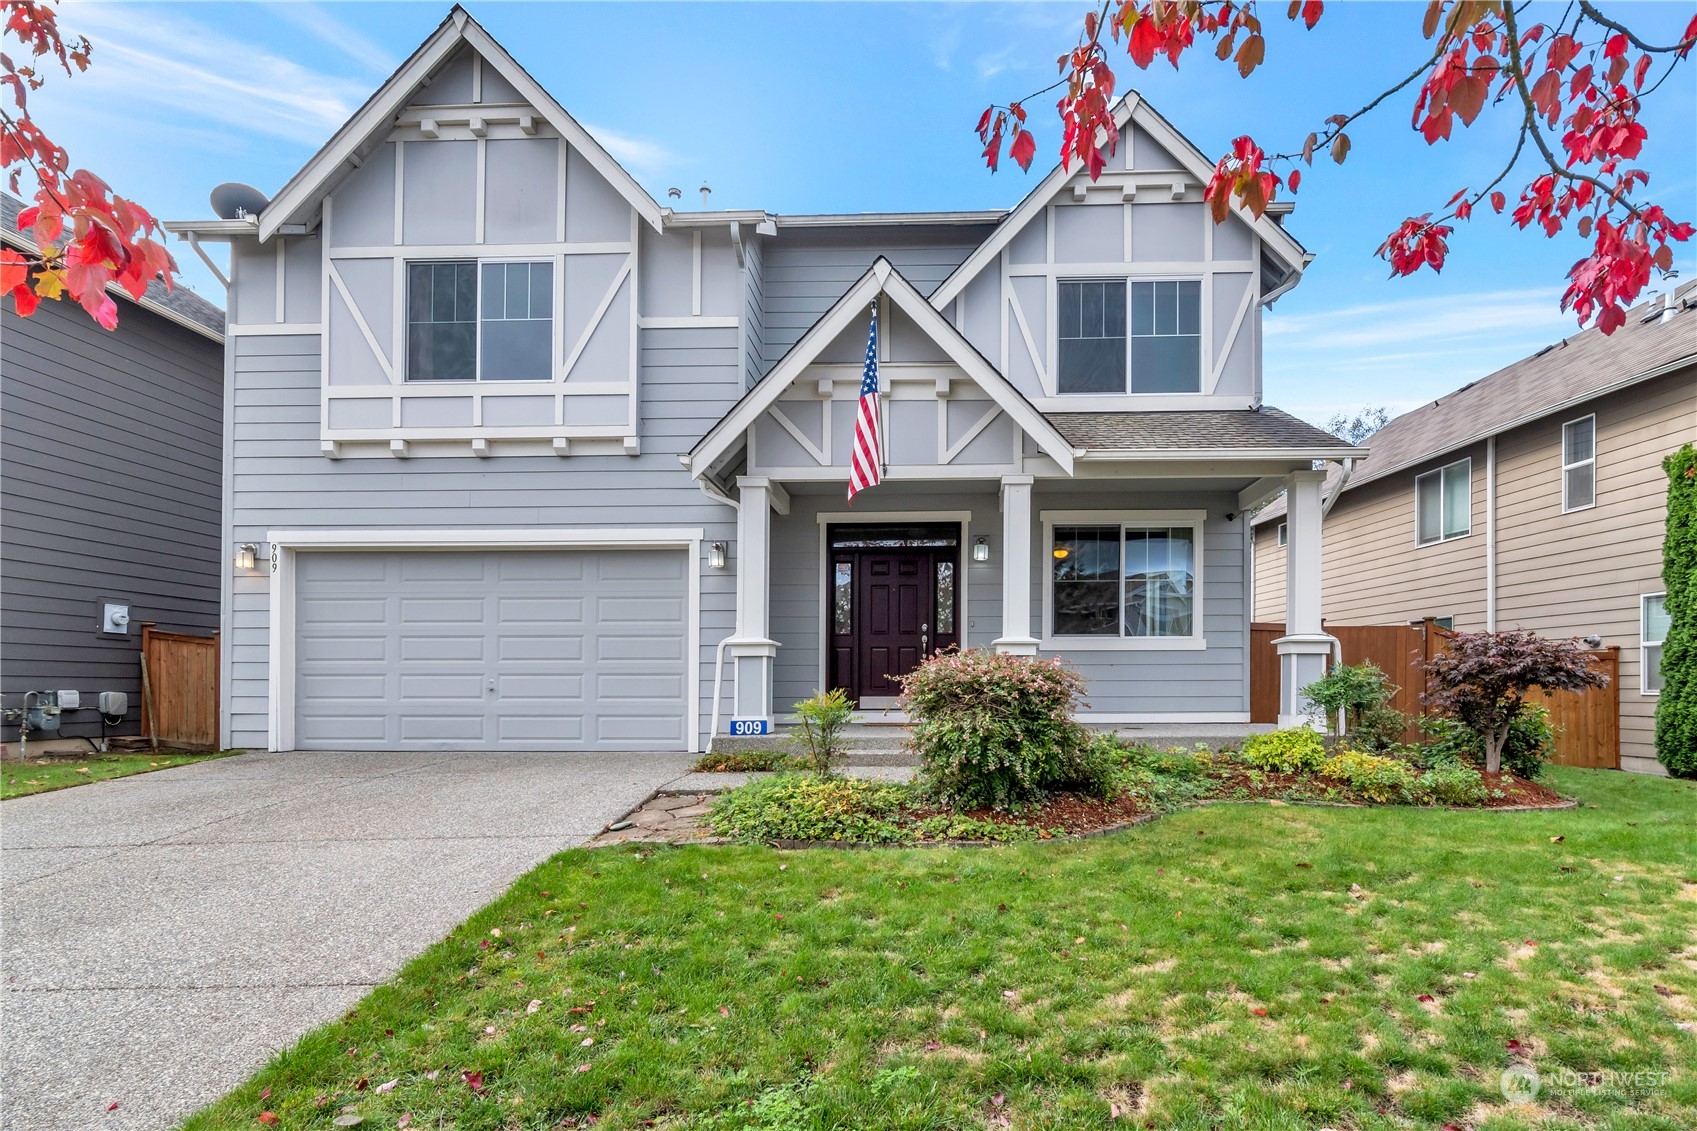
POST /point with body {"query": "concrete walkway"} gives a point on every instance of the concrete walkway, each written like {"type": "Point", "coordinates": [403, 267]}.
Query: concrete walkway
{"type": "Point", "coordinates": [164, 934]}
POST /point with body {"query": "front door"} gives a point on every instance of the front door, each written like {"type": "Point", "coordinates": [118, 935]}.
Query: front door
{"type": "Point", "coordinates": [893, 598]}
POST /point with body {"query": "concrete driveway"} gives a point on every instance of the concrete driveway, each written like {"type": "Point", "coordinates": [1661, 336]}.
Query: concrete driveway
{"type": "Point", "coordinates": [164, 934]}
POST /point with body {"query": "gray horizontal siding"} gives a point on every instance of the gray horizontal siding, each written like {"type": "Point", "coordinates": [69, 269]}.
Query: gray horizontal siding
{"type": "Point", "coordinates": [804, 276]}
{"type": "Point", "coordinates": [110, 448]}
{"type": "Point", "coordinates": [280, 480]}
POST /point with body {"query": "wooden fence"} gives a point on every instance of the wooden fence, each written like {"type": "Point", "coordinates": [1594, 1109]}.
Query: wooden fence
{"type": "Point", "coordinates": [1588, 721]}
{"type": "Point", "coordinates": [179, 696]}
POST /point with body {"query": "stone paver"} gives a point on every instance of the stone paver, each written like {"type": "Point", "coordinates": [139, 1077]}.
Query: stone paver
{"type": "Point", "coordinates": [164, 934]}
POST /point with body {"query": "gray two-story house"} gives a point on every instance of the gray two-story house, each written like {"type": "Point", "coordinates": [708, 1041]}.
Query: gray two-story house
{"type": "Point", "coordinates": [533, 462]}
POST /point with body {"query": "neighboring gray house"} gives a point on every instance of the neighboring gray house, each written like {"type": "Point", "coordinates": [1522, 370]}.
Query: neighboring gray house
{"type": "Point", "coordinates": [109, 460]}
{"type": "Point", "coordinates": [533, 462]}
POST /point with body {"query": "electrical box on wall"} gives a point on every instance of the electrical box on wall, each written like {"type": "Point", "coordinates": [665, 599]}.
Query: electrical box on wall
{"type": "Point", "coordinates": [69, 700]}
{"type": "Point", "coordinates": [115, 617]}
{"type": "Point", "coordinates": [114, 703]}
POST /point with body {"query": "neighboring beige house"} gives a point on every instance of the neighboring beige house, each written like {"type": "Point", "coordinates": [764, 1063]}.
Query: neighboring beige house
{"type": "Point", "coordinates": [1533, 498]}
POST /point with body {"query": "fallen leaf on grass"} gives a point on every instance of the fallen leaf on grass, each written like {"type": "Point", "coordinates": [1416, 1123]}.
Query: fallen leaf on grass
{"type": "Point", "coordinates": [998, 1100]}
{"type": "Point", "coordinates": [583, 1068]}
{"type": "Point", "coordinates": [387, 1086]}
{"type": "Point", "coordinates": [586, 1042]}
{"type": "Point", "coordinates": [1259, 1012]}
{"type": "Point", "coordinates": [361, 1084]}
{"type": "Point", "coordinates": [268, 1117]}
{"type": "Point", "coordinates": [1663, 990]}
{"type": "Point", "coordinates": [266, 1094]}
{"type": "Point", "coordinates": [535, 1004]}
{"type": "Point", "coordinates": [404, 1121]}
{"type": "Point", "coordinates": [1557, 839]}
{"type": "Point", "coordinates": [473, 1080]}
{"type": "Point", "coordinates": [724, 1012]}
{"type": "Point", "coordinates": [1425, 998]}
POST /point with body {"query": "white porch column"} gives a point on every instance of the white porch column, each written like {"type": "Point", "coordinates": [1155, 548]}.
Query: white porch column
{"type": "Point", "coordinates": [752, 649]}
{"type": "Point", "coordinates": [1304, 647]}
{"type": "Point", "coordinates": [1016, 567]}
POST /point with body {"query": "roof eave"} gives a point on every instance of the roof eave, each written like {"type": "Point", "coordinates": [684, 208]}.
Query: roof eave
{"type": "Point", "coordinates": [23, 243]}
{"type": "Point", "coordinates": [1095, 455]}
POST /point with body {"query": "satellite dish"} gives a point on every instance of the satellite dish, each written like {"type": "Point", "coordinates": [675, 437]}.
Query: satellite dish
{"type": "Point", "coordinates": [233, 201]}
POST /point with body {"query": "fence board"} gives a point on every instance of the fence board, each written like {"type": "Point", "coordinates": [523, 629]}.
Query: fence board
{"type": "Point", "coordinates": [1588, 722]}
{"type": "Point", "coordinates": [182, 674]}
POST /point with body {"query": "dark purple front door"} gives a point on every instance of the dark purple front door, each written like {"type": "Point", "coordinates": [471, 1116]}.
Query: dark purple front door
{"type": "Point", "coordinates": [891, 606]}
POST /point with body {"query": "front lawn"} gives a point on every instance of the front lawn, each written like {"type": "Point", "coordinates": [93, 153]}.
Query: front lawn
{"type": "Point", "coordinates": [1230, 966]}
{"type": "Point", "coordinates": [42, 775]}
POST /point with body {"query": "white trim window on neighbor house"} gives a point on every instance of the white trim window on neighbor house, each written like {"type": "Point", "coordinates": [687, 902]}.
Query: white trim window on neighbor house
{"type": "Point", "coordinates": [1579, 463]}
{"type": "Point", "coordinates": [1443, 503]}
{"type": "Point", "coordinates": [1652, 631]}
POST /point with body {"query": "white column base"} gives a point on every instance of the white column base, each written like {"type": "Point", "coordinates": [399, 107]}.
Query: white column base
{"type": "Point", "coordinates": [1016, 645]}
{"type": "Point", "coordinates": [1302, 660]}
{"type": "Point", "coordinates": [751, 667]}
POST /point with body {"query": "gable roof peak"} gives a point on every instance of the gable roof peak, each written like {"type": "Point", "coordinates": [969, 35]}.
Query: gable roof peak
{"type": "Point", "coordinates": [349, 143]}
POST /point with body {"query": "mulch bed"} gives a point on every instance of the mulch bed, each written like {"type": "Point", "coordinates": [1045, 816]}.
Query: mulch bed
{"type": "Point", "coordinates": [1072, 814]}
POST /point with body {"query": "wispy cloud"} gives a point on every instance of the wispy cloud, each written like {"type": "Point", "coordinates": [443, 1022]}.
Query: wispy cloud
{"type": "Point", "coordinates": [1400, 355]}
{"type": "Point", "coordinates": [642, 156]}
{"type": "Point", "coordinates": [993, 63]}
{"type": "Point", "coordinates": [152, 56]}
{"type": "Point", "coordinates": [317, 21]}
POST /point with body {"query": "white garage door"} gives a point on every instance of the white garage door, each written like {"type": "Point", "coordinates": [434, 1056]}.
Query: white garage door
{"type": "Point", "coordinates": [491, 650]}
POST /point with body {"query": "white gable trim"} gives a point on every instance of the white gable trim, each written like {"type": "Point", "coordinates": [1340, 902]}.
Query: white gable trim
{"type": "Point", "coordinates": [379, 112]}
{"type": "Point", "coordinates": [881, 278]}
{"type": "Point", "coordinates": [1131, 109]}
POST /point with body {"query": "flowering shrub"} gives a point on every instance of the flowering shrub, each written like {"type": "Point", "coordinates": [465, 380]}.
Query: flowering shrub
{"type": "Point", "coordinates": [994, 730]}
{"type": "Point", "coordinates": [1381, 780]}
{"type": "Point", "coordinates": [1289, 751]}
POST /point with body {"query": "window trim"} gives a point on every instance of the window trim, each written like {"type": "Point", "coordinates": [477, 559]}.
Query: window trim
{"type": "Point", "coordinates": [1644, 690]}
{"type": "Point", "coordinates": [1439, 472]}
{"type": "Point", "coordinates": [1197, 641]}
{"type": "Point", "coordinates": [1561, 454]}
{"type": "Point", "coordinates": [1130, 279]}
{"type": "Point", "coordinates": [478, 263]}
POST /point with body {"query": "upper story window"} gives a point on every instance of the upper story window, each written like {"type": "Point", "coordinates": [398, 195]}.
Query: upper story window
{"type": "Point", "coordinates": [1579, 463]}
{"type": "Point", "coordinates": [1161, 354]}
{"type": "Point", "coordinates": [470, 321]}
{"type": "Point", "coordinates": [1652, 632]}
{"type": "Point", "coordinates": [1283, 535]}
{"type": "Point", "coordinates": [1443, 503]}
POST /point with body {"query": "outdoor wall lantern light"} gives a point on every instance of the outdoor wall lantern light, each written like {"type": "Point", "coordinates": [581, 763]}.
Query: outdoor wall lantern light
{"type": "Point", "coordinates": [981, 549]}
{"type": "Point", "coordinates": [715, 555]}
{"type": "Point", "coordinates": [246, 554]}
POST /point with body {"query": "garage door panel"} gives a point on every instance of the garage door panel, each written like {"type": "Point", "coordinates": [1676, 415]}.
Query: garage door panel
{"type": "Point", "coordinates": [444, 648]}
{"type": "Point", "coordinates": [539, 611]}
{"type": "Point", "coordinates": [556, 649]}
{"type": "Point", "coordinates": [462, 611]}
{"type": "Point", "coordinates": [332, 648]}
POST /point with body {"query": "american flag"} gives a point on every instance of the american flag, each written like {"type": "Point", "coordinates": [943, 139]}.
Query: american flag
{"type": "Point", "coordinates": [866, 464]}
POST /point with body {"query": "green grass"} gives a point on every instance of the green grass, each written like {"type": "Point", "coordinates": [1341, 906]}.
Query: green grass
{"type": "Point", "coordinates": [47, 774]}
{"type": "Point", "coordinates": [1232, 966]}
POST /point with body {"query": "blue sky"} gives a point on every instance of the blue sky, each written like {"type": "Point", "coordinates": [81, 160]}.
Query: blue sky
{"type": "Point", "coordinates": [869, 107]}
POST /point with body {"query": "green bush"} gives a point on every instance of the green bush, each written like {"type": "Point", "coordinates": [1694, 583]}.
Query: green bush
{"type": "Point", "coordinates": [1379, 729]}
{"type": "Point", "coordinates": [823, 717]}
{"type": "Point", "coordinates": [993, 730]}
{"type": "Point", "coordinates": [953, 826]}
{"type": "Point", "coordinates": [1351, 688]}
{"type": "Point", "coordinates": [1531, 742]}
{"type": "Point", "coordinates": [747, 761]}
{"type": "Point", "coordinates": [1454, 783]}
{"type": "Point", "coordinates": [809, 807]}
{"type": "Point", "coordinates": [1293, 750]}
{"type": "Point", "coordinates": [1676, 708]}
{"type": "Point", "coordinates": [1382, 780]}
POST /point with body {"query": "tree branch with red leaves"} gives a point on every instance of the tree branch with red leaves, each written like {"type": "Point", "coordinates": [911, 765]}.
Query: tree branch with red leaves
{"type": "Point", "coordinates": [1576, 79]}
{"type": "Point", "coordinates": [86, 236]}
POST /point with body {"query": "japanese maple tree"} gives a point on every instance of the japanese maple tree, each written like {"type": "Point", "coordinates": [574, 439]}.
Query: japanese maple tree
{"type": "Point", "coordinates": [1574, 89]}
{"type": "Point", "coordinates": [1482, 679]}
{"type": "Point", "coordinates": [86, 236]}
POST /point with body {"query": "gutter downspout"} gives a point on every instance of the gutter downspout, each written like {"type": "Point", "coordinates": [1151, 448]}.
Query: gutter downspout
{"type": "Point", "coordinates": [1490, 534]}
{"type": "Point", "coordinates": [1337, 645]}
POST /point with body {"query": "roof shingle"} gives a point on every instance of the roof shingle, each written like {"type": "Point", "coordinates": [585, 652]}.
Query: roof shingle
{"type": "Point", "coordinates": [1266, 429]}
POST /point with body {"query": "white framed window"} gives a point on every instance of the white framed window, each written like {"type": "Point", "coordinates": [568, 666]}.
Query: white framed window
{"type": "Point", "coordinates": [1283, 534]}
{"type": "Point", "coordinates": [1443, 503]}
{"type": "Point", "coordinates": [471, 320]}
{"type": "Point", "coordinates": [1579, 463]}
{"type": "Point", "coordinates": [1123, 579]}
{"type": "Point", "coordinates": [1653, 630]}
{"type": "Point", "coordinates": [1122, 336]}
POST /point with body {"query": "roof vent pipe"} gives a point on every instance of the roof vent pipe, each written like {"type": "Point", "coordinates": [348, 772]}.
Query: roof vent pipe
{"type": "Point", "coordinates": [705, 193]}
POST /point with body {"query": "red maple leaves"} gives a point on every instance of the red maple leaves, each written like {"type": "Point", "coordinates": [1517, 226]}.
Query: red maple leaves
{"type": "Point", "coordinates": [1580, 81]}
{"type": "Point", "coordinates": [87, 238]}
